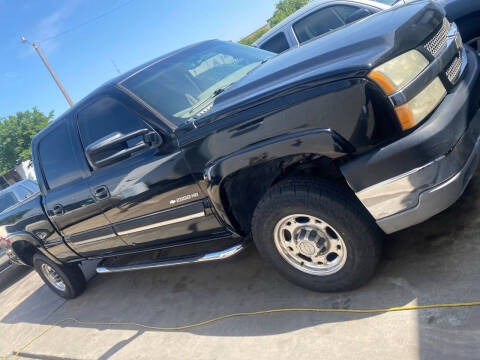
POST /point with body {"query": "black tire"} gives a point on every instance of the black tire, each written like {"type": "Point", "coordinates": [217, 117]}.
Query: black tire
{"type": "Point", "coordinates": [333, 204]}
{"type": "Point", "coordinates": [71, 275]}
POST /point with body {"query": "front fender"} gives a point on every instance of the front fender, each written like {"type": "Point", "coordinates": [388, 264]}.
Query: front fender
{"type": "Point", "coordinates": [322, 142]}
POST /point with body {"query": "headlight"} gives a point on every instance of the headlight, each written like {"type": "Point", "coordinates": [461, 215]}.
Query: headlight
{"type": "Point", "coordinates": [417, 109]}
{"type": "Point", "coordinates": [396, 73]}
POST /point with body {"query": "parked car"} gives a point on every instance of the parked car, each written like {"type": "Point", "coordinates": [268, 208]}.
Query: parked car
{"type": "Point", "coordinates": [320, 17]}
{"type": "Point", "coordinates": [9, 197]}
{"type": "Point", "coordinates": [314, 19]}
{"type": "Point", "coordinates": [17, 193]}
{"type": "Point", "coordinates": [317, 153]}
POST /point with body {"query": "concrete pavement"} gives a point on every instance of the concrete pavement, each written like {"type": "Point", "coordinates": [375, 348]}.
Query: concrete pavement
{"type": "Point", "coordinates": [435, 262]}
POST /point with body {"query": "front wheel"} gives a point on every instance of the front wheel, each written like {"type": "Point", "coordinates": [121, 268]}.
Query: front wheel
{"type": "Point", "coordinates": [65, 280]}
{"type": "Point", "coordinates": [317, 235]}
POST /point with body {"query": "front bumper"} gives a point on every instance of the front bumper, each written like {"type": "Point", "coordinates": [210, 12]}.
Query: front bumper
{"type": "Point", "coordinates": [434, 164]}
{"type": "Point", "coordinates": [426, 191]}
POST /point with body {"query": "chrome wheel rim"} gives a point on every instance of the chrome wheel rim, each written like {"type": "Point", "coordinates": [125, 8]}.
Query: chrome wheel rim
{"type": "Point", "coordinates": [310, 244]}
{"type": "Point", "coordinates": [53, 277]}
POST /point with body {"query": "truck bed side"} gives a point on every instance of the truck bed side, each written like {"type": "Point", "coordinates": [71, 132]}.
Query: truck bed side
{"type": "Point", "coordinates": [25, 228]}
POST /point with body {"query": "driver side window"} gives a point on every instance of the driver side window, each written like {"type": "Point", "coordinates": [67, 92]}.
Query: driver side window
{"type": "Point", "coordinates": [105, 117]}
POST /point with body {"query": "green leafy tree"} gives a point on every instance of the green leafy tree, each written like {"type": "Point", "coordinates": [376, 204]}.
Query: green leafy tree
{"type": "Point", "coordinates": [253, 37]}
{"type": "Point", "coordinates": [16, 133]}
{"type": "Point", "coordinates": [284, 8]}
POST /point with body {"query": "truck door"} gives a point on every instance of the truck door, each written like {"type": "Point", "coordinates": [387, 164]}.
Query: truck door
{"type": "Point", "coordinates": [77, 215]}
{"type": "Point", "coordinates": [152, 196]}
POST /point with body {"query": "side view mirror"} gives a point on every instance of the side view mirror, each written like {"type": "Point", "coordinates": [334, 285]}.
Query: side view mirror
{"type": "Point", "coordinates": [357, 15]}
{"type": "Point", "coordinates": [115, 147]}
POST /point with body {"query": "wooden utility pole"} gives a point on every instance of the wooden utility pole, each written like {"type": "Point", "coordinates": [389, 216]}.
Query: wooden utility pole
{"type": "Point", "coordinates": [60, 86]}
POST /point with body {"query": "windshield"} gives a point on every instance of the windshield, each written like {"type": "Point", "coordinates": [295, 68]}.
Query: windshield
{"type": "Point", "coordinates": [184, 84]}
{"type": "Point", "coordinates": [7, 199]}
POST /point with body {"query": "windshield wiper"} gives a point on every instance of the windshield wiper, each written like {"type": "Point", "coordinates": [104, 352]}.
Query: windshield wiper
{"type": "Point", "coordinates": [214, 94]}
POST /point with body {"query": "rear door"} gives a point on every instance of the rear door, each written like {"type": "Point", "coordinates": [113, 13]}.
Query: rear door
{"type": "Point", "coordinates": [77, 215]}
{"type": "Point", "coordinates": [151, 198]}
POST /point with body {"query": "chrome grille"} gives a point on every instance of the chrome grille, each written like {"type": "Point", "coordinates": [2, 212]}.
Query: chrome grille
{"type": "Point", "coordinates": [454, 69]}
{"type": "Point", "coordinates": [439, 40]}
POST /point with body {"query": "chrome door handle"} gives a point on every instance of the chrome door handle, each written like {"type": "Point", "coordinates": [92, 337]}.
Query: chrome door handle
{"type": "Point", "coordinates": [102, 192]}
{"type": "Point", "coordinates": [57, 210]}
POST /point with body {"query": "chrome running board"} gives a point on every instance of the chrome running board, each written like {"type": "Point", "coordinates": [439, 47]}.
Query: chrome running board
{"type": "Point", "coordinates": [189, 259]}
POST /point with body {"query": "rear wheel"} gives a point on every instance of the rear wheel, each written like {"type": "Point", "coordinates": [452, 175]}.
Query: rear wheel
{"type": "Point", "coordinates": [317, 235]}
{"type": "Point", "coordinates": [65, 280]}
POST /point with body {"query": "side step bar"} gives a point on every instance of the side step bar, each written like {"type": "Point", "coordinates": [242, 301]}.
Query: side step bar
{"type": "Point", "coordinates": [190, 259]}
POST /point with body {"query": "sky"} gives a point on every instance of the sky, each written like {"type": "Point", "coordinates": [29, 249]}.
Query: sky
{"type": "Point", "coordinates": [131, 33]}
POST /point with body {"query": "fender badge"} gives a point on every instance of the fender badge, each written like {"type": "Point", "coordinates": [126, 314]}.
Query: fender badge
{"type": "Point", "coordinates": [184, 198]}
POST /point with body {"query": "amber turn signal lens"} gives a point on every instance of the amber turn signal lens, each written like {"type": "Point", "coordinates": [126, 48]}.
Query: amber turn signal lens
{"type": "Point", "coordinates": [417, 109]}
{"type": "Point", "coordinates": [383, 82]}
{"type": "Point", "coordinates": [405, 117]}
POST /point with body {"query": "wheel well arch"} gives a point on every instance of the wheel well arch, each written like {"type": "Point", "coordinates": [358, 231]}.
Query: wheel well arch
{"type": "Point", "coordinates": [25, 251]}
{"type": "Point", "coordinates": [241, 191]}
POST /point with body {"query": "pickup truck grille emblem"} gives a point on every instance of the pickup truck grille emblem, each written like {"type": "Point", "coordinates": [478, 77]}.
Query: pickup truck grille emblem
{"type": "Point", "coordinates": [183, 198]}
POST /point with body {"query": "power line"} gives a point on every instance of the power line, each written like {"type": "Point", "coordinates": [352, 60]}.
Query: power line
{"type": "Point", "coordinates": [116, 67]}
{"type": "Point", "coordinates": [87, 22]}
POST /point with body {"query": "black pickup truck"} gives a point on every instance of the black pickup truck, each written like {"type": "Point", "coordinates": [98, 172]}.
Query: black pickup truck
{"type": "Point", "coordinates": [315, 153]}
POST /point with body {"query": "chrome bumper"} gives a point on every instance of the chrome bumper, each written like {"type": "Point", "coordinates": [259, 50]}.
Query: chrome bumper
{"type": "Point", "coordinates": [417, 195]}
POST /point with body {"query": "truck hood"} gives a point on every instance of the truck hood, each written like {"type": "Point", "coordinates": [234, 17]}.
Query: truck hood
{"type": "Point", "coordinates": [350, 52]}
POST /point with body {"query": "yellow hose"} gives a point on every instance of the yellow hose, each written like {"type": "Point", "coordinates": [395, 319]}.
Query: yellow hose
{"type": "Point", "coordinates": [242, 314]}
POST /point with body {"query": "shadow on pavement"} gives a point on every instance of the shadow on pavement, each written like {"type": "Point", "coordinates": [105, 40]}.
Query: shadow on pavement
{"type": "Point", "coordinates": [11, 275]}
{"type": "Point", "coordinates": [178, 296]}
